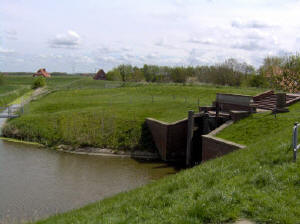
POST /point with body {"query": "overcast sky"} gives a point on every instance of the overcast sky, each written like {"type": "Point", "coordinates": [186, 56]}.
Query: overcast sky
{"type": "Point", "coordinates": [85, 35]}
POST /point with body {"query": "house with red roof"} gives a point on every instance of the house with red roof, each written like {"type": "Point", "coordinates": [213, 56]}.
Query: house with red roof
{"type": "Point", "coordinates": [42, 72]}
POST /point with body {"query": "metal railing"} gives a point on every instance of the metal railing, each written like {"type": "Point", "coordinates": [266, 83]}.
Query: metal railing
{"type": "Point", "coordinates": [295, 140]}
{"type": "Point", "coordinates": [11, 111]}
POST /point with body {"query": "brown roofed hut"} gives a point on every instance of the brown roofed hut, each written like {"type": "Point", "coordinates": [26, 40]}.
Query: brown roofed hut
{"type": "Point", "coordinates": [101, 75]}
{"type": "Point", "coordinates": [42, 72]}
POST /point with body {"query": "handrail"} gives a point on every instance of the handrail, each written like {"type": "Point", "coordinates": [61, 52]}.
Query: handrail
{"type": "Point", "coordinates": [11, 111]}
{"type": "Point", "coordinates": [295, 140]}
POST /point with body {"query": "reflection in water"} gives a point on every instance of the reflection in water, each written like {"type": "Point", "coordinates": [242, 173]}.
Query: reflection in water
{"type": "Point", "coordinates": [36, 183]}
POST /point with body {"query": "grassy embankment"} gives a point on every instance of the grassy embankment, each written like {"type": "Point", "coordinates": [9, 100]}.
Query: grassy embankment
{"type": "Point", "coordinates": [16, 86]}
{"type": "Point", "coordinates": [260, 183]}
{"type": "Point", "coordinates": [85, 113]}
{"type": "Point", "coordinates": [9, 93]}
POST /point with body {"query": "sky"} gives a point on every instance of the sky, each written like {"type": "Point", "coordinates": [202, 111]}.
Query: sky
{"type": "Point", "coordinates": [86, 35]}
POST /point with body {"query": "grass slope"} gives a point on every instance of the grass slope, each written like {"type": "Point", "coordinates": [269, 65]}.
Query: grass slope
{"type": "Point", "coordinates": [260, 183]}
{"type": "Point", "coordinates": [9, 93]}
{"type": "Point", "coordinates": [18, 85]}
{"type": "Point", "coordinates": [85, 113]}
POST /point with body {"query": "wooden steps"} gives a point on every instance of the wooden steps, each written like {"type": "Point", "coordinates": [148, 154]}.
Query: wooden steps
{"type": "Point", "coordinates": [268, 101]}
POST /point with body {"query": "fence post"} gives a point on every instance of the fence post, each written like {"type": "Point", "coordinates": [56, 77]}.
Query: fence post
{"type": "Point", "coordinates": [189, 137]}
{"type": "Point", "coordinates": [295, 140]}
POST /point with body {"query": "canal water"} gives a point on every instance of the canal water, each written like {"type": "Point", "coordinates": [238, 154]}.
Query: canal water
{"type": "Point", "coordinates": [37, 182]}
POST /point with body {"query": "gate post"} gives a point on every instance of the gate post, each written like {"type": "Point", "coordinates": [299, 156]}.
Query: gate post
{"type": "Point", "coordinates": [189, 137]}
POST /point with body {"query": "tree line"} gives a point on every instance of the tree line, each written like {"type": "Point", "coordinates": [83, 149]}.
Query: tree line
{"type": "Point", "coordinates": [275, 72]}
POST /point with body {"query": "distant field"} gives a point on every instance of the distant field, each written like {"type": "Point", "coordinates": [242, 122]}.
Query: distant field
{"type": "Point", "coordinates": [51, 82]}
{"type": "Point", "coordinates": [17, 85]}
{"type": "Point", "coordinates": [86, 112]}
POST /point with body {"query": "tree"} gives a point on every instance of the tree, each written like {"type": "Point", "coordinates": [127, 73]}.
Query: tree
{"type": "Point", "coordinates": [125, 72]}
{"type": "Point", "coordinates": [282, 72]}
{"type": "Point", "coordinates": [114, 75]}
{"type": "Point", "coordinates": [289, 80]}
{"type": "Point", "coordinates": [178, 75]}
{"type": "Point", "coordinates": [137, 75]}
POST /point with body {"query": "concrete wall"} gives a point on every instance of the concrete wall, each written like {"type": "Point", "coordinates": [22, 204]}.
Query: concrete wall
{"type": "Point", "coordinates": [229, 102]}
{"type": "Point", "coordinates": [238, 115]}
{"type": "Point", "coordinates": [170, 138]}
{"type": "Point", "coordinates": [235, 99]}
{"type": "Point", "coordinates": [213, 147]}
{"type": "Point", "coordinates": [159, 131]}
{"type": "Point", "coordinates": [177, 141]}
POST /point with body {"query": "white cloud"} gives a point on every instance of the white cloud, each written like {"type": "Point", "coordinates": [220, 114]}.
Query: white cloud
{"type": "Point", "coordinates": [206, 41]}
{"type": "Point", "coordinates": [255, 24]}
{"type": "Point", "coordinates": [20, 60]}
{"type": "Point", "coordinates": [11, 34]}
{"type": "Point", "coordinates": [165, 43]}
{"type": "Point", "coordinates": [6, 51]}
{"type": "Point", "coordinates": [67, 40]}
{"type": "Point", "coordinates": [251, 45]}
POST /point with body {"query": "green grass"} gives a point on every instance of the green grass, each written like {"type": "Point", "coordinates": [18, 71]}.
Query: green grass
{"type": "Point", "coordinates": [85, 113]}
{"type": "Point", "coordinates": [260, 125]}
{"type": "Point", "coordinates": [55, 81]}
{"type": "Point", "coordinates": [9, 93]}
{"type": "Point", "coordinates": [18, 85]}
{"type": "Point", "coordinates": [260, 183]}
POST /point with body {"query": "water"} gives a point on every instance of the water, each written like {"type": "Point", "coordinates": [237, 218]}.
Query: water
{"type": "Point", "coordinates": [36, 183]}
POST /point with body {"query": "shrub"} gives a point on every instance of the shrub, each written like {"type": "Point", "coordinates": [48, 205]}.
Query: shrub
{"type": "Point", "coordinates": [2, 81]}
{"type": "Point", "coordinates": [39, 82]}
{"type": "Point", "coordinates": [257, 81]}
{"type": "Point", "coordinates": [114, 75]}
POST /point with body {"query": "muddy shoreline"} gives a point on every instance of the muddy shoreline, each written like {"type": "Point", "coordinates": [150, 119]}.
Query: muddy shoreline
{"type": "Point", "coordinates": [108, 152]}
{"type": "Point", "coordinates": [93, 151]}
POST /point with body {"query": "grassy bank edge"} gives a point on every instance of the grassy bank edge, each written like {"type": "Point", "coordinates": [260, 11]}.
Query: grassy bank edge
{"type": "Point", "coordinates": [21, 141]}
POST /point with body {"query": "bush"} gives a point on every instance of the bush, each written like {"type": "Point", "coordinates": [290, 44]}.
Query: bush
{"type": "Point", "coordinates": [39, 82]}
{"type": "Point", "coordinates": [2, 81]}
{"type": "Point", "coordinates": [257, 81]}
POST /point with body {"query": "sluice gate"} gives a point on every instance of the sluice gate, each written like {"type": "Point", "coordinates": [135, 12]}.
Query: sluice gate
{"type": "Point", "coordinates": [192, 140]}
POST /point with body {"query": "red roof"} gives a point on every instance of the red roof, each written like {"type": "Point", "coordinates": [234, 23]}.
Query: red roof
{"type": "Point", "coordinates": [42, 72]}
